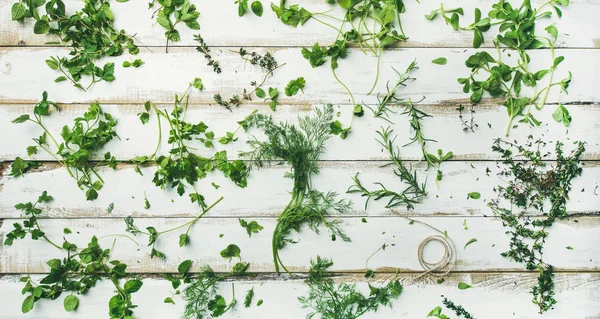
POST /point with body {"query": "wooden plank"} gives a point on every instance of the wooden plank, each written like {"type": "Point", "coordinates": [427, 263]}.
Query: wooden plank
{"type": "Point", "coordinates": [164, 75]}
{"type": "Point", "coordinates": [401, 238]}
{"type": "Point", "coordinates": [444, 127]}
{"type": "Point", "coordinates": [269, 31]}
{"type": "Point", "coordinates": [577, 297]}
{"type": "Point", "coordinates": [268, 191]}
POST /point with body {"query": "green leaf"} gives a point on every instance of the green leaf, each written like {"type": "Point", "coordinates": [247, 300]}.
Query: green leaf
{"type": "Point", "coordinates": [294, 86]}
{"type": "Point", "coordinates": [27, 304]}
{"type": "Point", "coordinates": [184, 267]}
{"type": "Point", "coordinates": [440, 61]}
{"type": "Point", "coordinates": [71, 302]}
{"type": "Point", "coordinates": [432, 15]}
{"type": "Point", "coordinates": [60, 79]}
{"type": "Point", "coordinates": [561, 114]}
{"type": "Point", "coordinates": [257, 8]}
{"type": "Point", "coordinates": [251, 227]}
{"type": "Point", "coordinates": [472, 240]}
{"type": "Point", "coordinates": [474, 195]}
{"type": "Point", "coordinates": [273, 93]}
{"type": "Point", "coordinates": [477, 38]}
{"type": "Point", "coordinates": [41, 27]}
{"type": "Point", "coordinates": [231, 251]}
{"type": "Point", "coordinates": [132, 286]}
{"type": "Point", "coordinates": [463, 286]}
{"type": "Point", "coordinates": [54, 264]}
{"type": "Point", "coordinates": [18, 11]}
{"type": "Point", "coordinates": [21, 119]}
{"type": "Point", "coordinates": [260, 93]}
{"type": "Point", "coordinates": [169, 300]}
{"type": "Point", "coordinates": [197, 83]}
{"type": "Point", "coordinates": [52, 63]}
{"type": "Point", "coordinates": [242, 7]}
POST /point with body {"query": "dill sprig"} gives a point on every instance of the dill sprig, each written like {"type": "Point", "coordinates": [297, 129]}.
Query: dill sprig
{"type": "Point", "coordinates": [343, 301]}
{"type": "Point", "coordinates": [299, 146]}
{"type": "Point", "coordinates": [203, 48]}
{"type": "Point", "coordinates": [532, 184]}
{"type": "Point", "coordinates": [411, 195]}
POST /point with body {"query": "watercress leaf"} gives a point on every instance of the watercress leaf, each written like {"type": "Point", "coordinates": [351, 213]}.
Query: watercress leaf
{"type": "Point", "coordinates": [440, 61]}
{"type": "Point", "coordinates": [132, 286]}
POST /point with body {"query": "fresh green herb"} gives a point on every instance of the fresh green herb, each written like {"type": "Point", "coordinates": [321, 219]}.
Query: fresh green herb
{"type": "Point", "coordinates": [31, 225]}
{"type": "Point", "coordinates": [202, 298]}
{"type": "Point", "coordinates": [182, 168]}
{"type": "Point", "coordinates": [181, 11]}
{"type": "Point", "coordinates": [383, 104]}
{"type": "Point", "coordinates": [562, 115]}
{"type": "Point", "coordinates": [89, 34]}
{"type": "Point", "coordinates": [19, 166]}
{"type": "Point", "coordinates": [459, 310]}
{"type": "Point", "coordinates": [110, 208]}
{"type": "Point", "coordinates": [183, 276]}
{"type": "Point", "coordinates": [440, 61]}
{"type": "Point", "coordinates": [465, 224]}
{"type": "Point", "coordinates": [468, 125]}
{"type": "Point", "coordinates": [474, 195]}
{"type": "Point", "coordinates": [463, 286]}
{"type": "Point", "coordinates": [154, 234]}
{"type": "Point", "coordinates": [67, 231]}
{"type": "Point", "coordinates": [259, 302]}
{"type": "Point", "coordinates": [267, 62]}
{"type": "Point", "coordinates": [325, 299]}
{"type": "Point", "coordinates": [372, 25]}
{"type": "Point", "coordinates": [256, 7]}
{"type": "Point", "coordinates": [146, 202]}
{"type": "Point", "coordinates": [251, 227]}
{"type": "Point", "coordinates": [294, 86]}
{"type": "Point", "coordinates": [80, 144]}
{"type": "Point", "coordinates": [569, 248]}
{"type": "Point", "coordinates": [231, 251]}
{"type": "Point", "coordinates": [411, 195]}
{"type": "Point", "coordinates": [136, 63]}
{"type": "Point", "coordinates": [248, 298]}
{"type": "Point", "coordinates": [472, 240]}
{"type": "Point", "coordinates": [299, 146]}
{"type": "Point", "coordinates": [203, 48]}
{"type": "Point", "coordinates": [517, 34]}
{"type": "Point", "coordinates": [534, 185]}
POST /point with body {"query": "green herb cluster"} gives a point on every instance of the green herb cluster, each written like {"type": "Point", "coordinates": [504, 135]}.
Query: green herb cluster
{"type": "Point", "coordinates": [80, 144]}
{"type": "Point", "coordinates": [459, 310]}
{"type": "Point", "coordinates": [328, 300]}
{"type": "Point", "coordinates": [532, 184]}
{"type": "Point", "coordinates": [516, 82]}
{"type": "Point", "coordinates": [300, 147]}
{"type": "Point", "coordinates": [89, 34]}
{"type": "Point", "coordinates": [170, 13]}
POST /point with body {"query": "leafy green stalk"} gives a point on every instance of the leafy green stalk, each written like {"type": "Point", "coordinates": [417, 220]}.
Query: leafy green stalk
{"type": "Point", "coordinates": [300, 147]}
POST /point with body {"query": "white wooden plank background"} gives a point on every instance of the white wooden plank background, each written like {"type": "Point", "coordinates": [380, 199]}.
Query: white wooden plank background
{"type": "Point", "coordinates": [501, 288]}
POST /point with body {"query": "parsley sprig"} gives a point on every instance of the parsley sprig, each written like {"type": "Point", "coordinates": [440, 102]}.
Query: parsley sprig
{"type": "Point", "coordinates": [80, 143]}
{"type": "Point", "coordinates": [89, 34]}
{"type": "Point", "coordinates": [532, 184]}
{"type": "Point", "coordinates": [299, 146]}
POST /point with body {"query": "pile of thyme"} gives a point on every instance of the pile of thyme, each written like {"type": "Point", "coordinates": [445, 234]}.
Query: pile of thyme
{"type": "Point", "coordinates": [532, 184]}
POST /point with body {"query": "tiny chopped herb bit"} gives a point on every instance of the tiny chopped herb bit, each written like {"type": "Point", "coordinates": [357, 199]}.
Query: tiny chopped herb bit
{"type": "Point", "coordinates": [364, 220]}
{"type": "Point", "coordinates": [412, 194]}
{"type": "Point", "coordinates": [474, 195]}
{"type": "Point", "coordinates": [80, 144]}
{"type": "Point", "coordinates": [154, 234]}
{"type": "Point", "coordinates": [110, 208]}
{"type": "Point", "coordinates": [326, 299]}
{"type": "Point", "coordinates": [294, 86]}
{"type": "Point", "coordinates": [67, 231]}
{"type": "Point", "coordinates": [472, 240]}
{"type": "Point", "coordinates": [463, 286]}
{"type": "Point", "coordinates": [251, 227]}
{"type": "Point", "coordinates": [259, 302]}
{"type": "Point", "coordinates": [300, 146]}
{"type": "Point", "coordinates": [231, 251]}
{"type": "Point", "coordinates": [181, 168]}
{"type": "Point", "coordinates": [146, 202]}
{"type": "Point", "coordinates": [169, 300]}
{"type": "Point", "coordinates": [569, 248]}
{"type": "Point", "coordinates": [19, 166]}
{"type": "Point", "coordinates": [203, 48]}
{"type": "Point", "coordinates": [136, 63]}
{"type": "Point", "coordinates": [534, 185]}
{"type": "Point", "coordinates": [181, 11]}
{"type": "Point", "coordinates": [89, 34]}
{"type": "Point", "coordinates": [201, 296]}
{"type": "Point", "coordinates": [440, 61]}
{"type": "Point", "coordinates": [248, 298]}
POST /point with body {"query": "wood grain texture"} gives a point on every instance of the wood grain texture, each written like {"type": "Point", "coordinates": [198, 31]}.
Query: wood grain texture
{"type": "Point", "coordinates": [268, 191]}
{"type": "Point", "coordinates": [401, 238]}
{"type": "Point", "coordinates": [444, 126]}
{"type": "Point", "coordinates": [220, 25]}
{"type": "Point", "coordinates": [507, 294]}
{"type": "Point", "coordinates": [164, 75]}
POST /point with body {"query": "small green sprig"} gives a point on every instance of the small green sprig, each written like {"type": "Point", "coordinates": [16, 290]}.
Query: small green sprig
{"type": "Point", "coordinates": [203, 48]}
{"type": "Point", "coordinates": [383, 109]}
{"type": "Point", "coordinates": [89, 34]}
{"type": "Point", "coordinates": [458, 309]}
{"type": "Point", "coordinates": [173, 12]}
{"type": "Point", "coordinates": [532, 185]}
{"type": "Point", "coordinates": [80, 144]}
{"type": "Point", "coordinates": [326, 299]}
{"type": "Point", "coordinates": [411, 195]}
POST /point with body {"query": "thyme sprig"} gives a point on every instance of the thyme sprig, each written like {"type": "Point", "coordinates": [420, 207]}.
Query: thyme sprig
{"type": "Point", "coordinates": [203, 48]}
{"type": "Point", "coordinates": [299, 146]}
{"type": "Point", "coordinates": [532, 183]}
{"type": "Point", "coordinates": [80, 144]}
